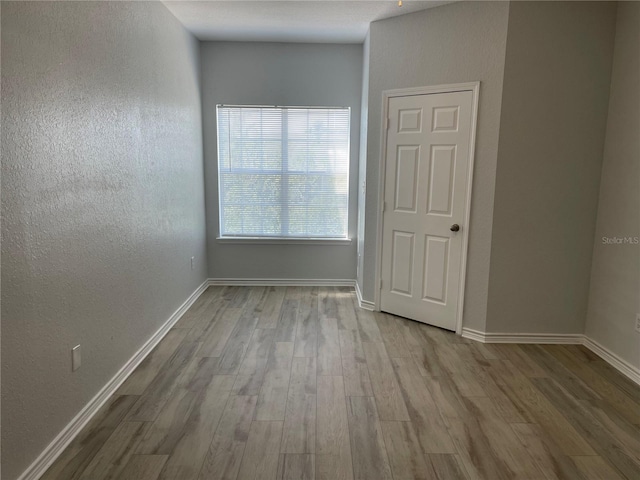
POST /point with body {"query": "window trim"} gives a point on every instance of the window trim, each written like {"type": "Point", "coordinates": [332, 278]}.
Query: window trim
{"type": "Point", "coordinates": [273, 240]}
{"type": "Point", "coordinates": [283, 240]}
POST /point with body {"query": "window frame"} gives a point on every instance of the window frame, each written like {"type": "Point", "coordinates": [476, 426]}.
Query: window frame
{"type": "Point", "coordinates": [268, 239]}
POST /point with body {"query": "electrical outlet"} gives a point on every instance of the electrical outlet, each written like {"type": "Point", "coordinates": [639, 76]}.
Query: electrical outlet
{"type": "Point", "coordinates": [193, 262]}
{"type": "Point", "coordinates": [75, 358]}
{"type": "Point", "coordinates": [638, 322]}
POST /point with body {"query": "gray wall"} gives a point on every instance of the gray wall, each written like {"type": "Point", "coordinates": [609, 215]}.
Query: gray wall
{"type": "Point", "coordinates": [554, 111]}
{"type": "Point", "coordinates": [461, 42]}
{"type": "Point", "coordinates": [362, 162]}
{"type": "Point", "coordinates": [102, 201]}
{"type": "Point", "coordinates": [279, 74]}
{"type": "Point", "coordinates": [614, 298]}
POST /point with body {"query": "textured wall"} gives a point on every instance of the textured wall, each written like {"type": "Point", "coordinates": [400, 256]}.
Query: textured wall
{"type": "Point", "coordinates": [614, 298]}
{"type": "Point", "coordinates": [462, 42]}
{"type": "Point", "coordinates": [102, 201]}
{"type": "Point", "coordinates": [279, 74]}
{"type": "Point", "coordinates": [554, 112]}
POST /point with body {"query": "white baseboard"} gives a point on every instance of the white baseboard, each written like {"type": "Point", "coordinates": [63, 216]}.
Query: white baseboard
{"type": "Point", "coordinates": [284, 282]}
{"type": "Point", "coordinates": [607, 355]}
{"type": "Point", "coordinates": [543, 338]}
{"type": "Point", "coordinates": [64, 438]}
{"type": "Point", "coordinates": [614, 360]}
{"type": "Point", "coordinates": [471, 334]}
{"type": "Point", "coordinates": [364, 304]}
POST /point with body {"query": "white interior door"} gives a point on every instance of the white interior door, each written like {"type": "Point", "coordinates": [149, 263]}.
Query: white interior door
{"type": "Point", "coordinates": [425, 199]}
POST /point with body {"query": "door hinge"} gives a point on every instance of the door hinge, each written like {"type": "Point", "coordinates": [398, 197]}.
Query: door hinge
{"type": "Point", "coordinates": [380, 284]}
{"type": "Point", "coordinates": [384, 207]}
{"type": "Point", "coordinates": [387, 122]}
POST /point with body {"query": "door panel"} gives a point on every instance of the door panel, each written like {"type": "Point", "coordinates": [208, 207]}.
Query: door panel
{"type": "Point", "coordinates": [410, 120]}
{"type": "Point", "coordinates": [402, 273]}
{"type": "Point", "coordinates": [442, 174]}
{"type": "Point", "coordinates": [436, 257]}
{"type": "Point", "coordinates": [426, 178]}
{"type": "Point", "coordinates": [445, 119]}
{"type": "Point", "coordinates": [407, 178]}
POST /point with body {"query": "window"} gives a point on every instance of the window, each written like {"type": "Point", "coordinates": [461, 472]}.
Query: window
{"type": "Point", "coordinates": [283, 172]}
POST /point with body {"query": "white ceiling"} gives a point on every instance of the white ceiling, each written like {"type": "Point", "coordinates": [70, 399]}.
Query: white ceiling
{"type": "Point", "coordinates": [317, 21]}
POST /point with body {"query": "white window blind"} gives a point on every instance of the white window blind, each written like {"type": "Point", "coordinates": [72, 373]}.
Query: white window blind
{"type": "Point", "coordinates": [283, 171]}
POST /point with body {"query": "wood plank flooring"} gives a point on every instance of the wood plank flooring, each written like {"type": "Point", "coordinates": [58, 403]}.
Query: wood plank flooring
{"type": "Point", "coordinates": [266, 383]}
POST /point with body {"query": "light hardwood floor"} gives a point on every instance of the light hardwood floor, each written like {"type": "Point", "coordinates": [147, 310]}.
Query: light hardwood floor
{"type": "Point", "coordinates": [299, 383]}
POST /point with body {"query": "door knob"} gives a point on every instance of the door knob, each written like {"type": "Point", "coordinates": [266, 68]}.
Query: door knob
{"type": "Point", "coordinates": [455, 227]}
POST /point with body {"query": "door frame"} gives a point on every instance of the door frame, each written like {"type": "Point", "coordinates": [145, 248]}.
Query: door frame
{"type": "Point", "coordinates": [473, 87]}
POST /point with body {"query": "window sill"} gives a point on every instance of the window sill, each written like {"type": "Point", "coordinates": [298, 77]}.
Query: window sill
{"type": "Point", "coordinates": [284, 241]}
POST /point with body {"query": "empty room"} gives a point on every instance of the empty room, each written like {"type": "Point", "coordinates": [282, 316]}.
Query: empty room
{"type": "Point", "coordinates": [320, 240]}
